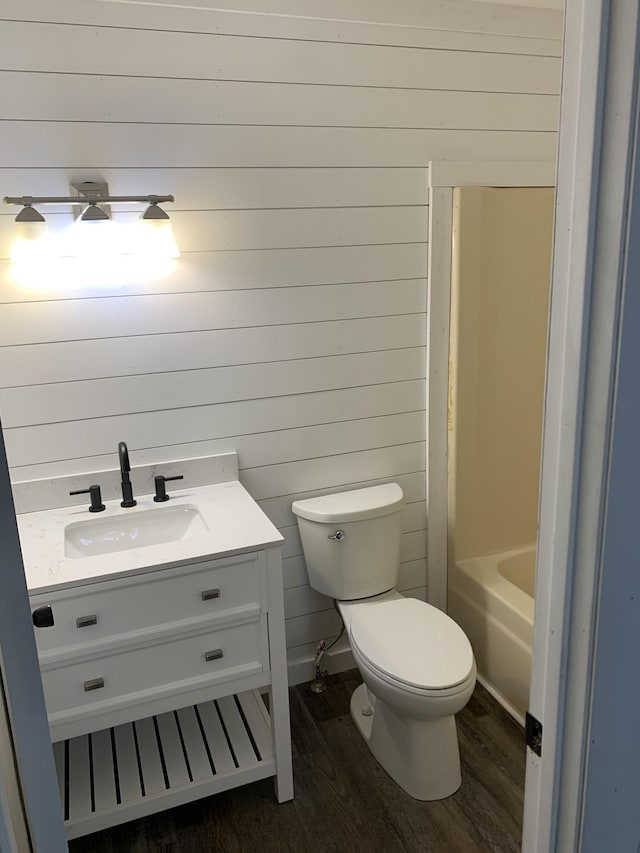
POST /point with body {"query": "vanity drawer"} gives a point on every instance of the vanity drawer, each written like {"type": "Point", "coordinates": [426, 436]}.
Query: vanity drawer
{"type": "Point", "coordinates": [173, 666]}
{"type": "Point", "coordinates": [98, 612]}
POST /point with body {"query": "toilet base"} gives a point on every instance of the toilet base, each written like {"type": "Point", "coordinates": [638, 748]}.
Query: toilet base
{"type": "Point", "coordinates": [362, 711]}
{"type": "Point", "coordinates": [421, 756]}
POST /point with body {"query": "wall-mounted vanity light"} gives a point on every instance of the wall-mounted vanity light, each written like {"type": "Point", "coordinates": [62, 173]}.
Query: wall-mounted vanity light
{"type": "Point", "coordinates": [93, 197]}
{"type": "Point", "coordinates": [86, 251]}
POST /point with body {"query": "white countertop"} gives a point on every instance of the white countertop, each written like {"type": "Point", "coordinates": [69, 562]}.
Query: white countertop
{"type": "Point", "coordinates": [235, 524]}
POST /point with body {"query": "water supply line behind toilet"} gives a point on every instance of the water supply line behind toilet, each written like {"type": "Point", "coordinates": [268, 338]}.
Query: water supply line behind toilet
{"type": "Point", "coordinates": [319, 683]}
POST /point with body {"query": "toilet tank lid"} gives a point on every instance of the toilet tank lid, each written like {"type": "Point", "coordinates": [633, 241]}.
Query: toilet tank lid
{"type": "Point", "coordinates": [356, 505]}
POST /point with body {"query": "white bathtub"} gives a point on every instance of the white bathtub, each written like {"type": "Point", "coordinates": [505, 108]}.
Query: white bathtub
{"type": "Point", "coordinates": [491, 598]}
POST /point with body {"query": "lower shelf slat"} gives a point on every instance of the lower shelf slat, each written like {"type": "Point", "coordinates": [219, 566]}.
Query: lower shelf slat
{"type": "Point", "coordinates": [79, 774]}
{"type": "Point", "coordinates": [154, 776]}
{"type": "Point", "coordinates": [127, 764]}
{"type": "Point", "coordinates": [197, 757]}
{"type": "Point", "coordinates": [175, 759]}
{"type": "Point", "coordinates": [214, 733]}
{"type": "Point", "coordinates": [104, 783]}
{"type": "Point", "coordinates": [150, 762]}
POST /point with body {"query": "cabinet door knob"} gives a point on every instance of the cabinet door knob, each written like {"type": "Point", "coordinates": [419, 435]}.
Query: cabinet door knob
{"type": "Point", "coordinates": [215, 654]}
{"type": "Point", "coordinates": [43, 616]}
{"type": "Point", "coordinates": [208, 594]}
{"type": "Point", "coordinates": [93, 684]}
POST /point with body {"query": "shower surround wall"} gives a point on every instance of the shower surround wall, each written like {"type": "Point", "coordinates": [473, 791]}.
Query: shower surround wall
{"type": "Point", "coordinates": [500, 304]}
{"type": "Point", "coordinates": [296, 143]}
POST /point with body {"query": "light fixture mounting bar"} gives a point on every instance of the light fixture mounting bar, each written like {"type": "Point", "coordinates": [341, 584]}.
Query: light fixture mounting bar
{"type": "Point", "coordinates": [107, 199]}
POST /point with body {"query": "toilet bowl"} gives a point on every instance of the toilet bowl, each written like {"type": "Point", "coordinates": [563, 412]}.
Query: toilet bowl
{"type": "Point", "coordinates": [418, 671]}
{"type": "Point", "coordinates": [416, 663]}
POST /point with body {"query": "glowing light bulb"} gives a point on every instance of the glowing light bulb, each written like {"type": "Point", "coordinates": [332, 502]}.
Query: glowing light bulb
{"type": "Point", "coordinates": [92, 254]}
{"type": "Point", "coordinates": [29, 241]}
{"type": "Point", "coordinates": [156, 239]}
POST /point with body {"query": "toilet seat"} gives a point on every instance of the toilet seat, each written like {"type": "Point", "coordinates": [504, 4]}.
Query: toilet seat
{"type": "Point", "coordinates": [412, 644]}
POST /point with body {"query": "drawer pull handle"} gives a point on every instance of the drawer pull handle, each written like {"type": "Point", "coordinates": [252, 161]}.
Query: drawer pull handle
{"type": "Point", "coordinates": [85, 621]}
{"type": "Point", "coordinates": [208, 594]}
{"type": "Point", "coordinates": [216, 654]}
{"type": "Point", "coordinates": [94, 684]}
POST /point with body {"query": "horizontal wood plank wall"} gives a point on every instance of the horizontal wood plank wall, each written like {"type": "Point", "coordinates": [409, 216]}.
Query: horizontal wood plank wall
{"type": "Point", "coordinates": [296, 143]}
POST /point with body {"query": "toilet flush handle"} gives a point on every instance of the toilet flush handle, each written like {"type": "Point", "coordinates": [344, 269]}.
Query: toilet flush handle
{"type": "Point", "coordinates": [339, 535]}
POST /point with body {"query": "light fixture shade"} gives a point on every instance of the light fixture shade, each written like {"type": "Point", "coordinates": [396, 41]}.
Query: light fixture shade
{"type": "Point", "coordinates": [93, 213]}
{"type": "Point", "coordinates": [29, 214]}
{"type": "Point", "coordinates": [155, 212]}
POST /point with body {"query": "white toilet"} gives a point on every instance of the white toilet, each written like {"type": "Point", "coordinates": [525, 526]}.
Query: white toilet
{"type": "Point", "coordinates": [416, 663]}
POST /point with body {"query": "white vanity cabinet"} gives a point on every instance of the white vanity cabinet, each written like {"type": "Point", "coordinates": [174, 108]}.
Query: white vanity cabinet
{"type": "Point", "coordinates": [152, 682]}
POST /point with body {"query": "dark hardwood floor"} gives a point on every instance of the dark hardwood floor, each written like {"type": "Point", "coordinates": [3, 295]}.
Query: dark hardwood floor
{"type": "Point", "coordinates": [345, 802]}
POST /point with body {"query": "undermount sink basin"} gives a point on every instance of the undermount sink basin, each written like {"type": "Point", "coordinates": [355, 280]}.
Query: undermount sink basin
{"type": "Point", "coordinates": [132, 530]}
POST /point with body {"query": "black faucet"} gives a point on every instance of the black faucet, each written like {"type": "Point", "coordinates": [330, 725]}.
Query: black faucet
{"type": "Point", "coordinates": [125, 467]}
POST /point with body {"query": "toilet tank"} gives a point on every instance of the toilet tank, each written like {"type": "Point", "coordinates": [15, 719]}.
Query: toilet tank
{"type": "Point", "coordinates": [351, 540]}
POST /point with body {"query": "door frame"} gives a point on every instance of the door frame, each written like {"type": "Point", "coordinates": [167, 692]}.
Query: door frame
{"type": "Point", "coordinates": [27, 716]}
{"type": "Point", "coordinates": [596, 162]}
{"type": "Point", "coordinates": [14, 832]}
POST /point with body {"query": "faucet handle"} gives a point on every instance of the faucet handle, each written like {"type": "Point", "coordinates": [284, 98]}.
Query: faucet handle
{"type": "Point", "coordinates": [161, 492]}
{"type": "Point", "coordinates": [96, 498]}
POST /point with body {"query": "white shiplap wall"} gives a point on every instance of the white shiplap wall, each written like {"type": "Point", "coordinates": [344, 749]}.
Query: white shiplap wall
{"type": "Point", "coordinates": [296, 143]}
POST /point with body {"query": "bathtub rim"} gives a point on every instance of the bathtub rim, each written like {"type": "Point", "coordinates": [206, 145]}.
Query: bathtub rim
{"type": "Point", "coordinates": [486, 566]}
{"type": "Point", "coordinates": [508, 610]}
